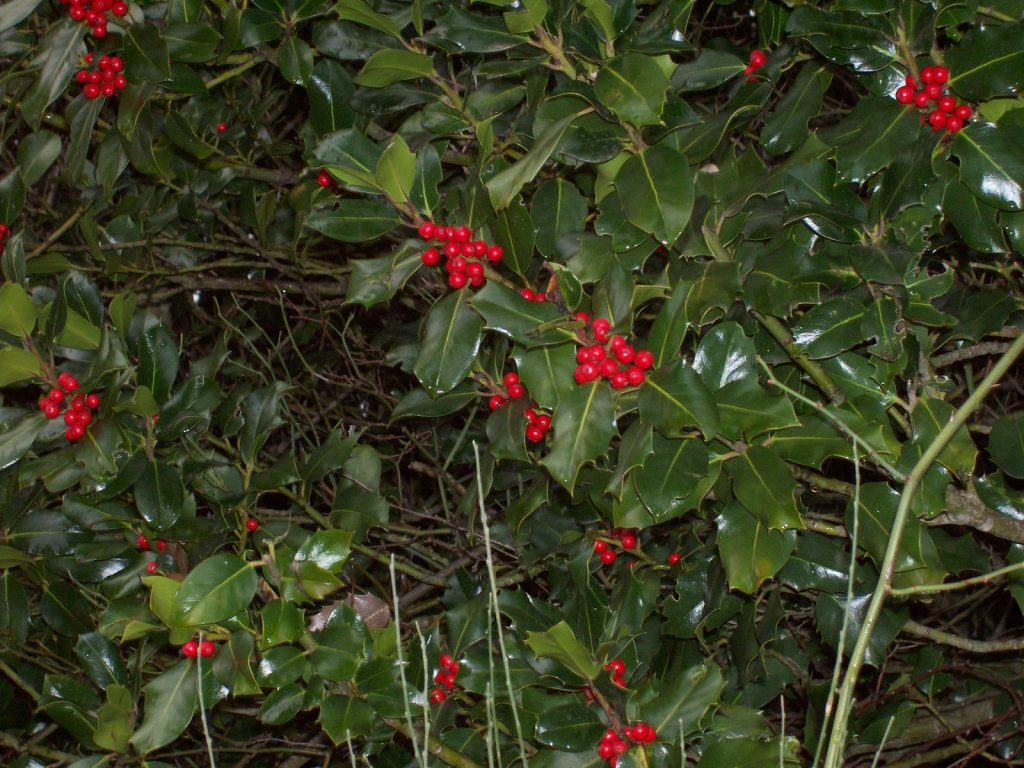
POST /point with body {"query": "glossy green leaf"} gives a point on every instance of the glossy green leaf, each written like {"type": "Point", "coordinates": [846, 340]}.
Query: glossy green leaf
{"type": "Point", "coordinates": [36, 154]}
{"type": "Point", "coordinates": [282, 705]}
{"type": "Point", "coordinates": [54, 63]}
{"type": "Point", "coordinates": [281, 666]}
{"type": "Point", "coordinates": [709, 70]}
{"type": "Point", "coordinates": [678, 703]}
{"type": "Point", "coordinates": [115, 720]}
{"type": "Point", "coordinates": [16, 10]}
{"type": "Point", "coordinates": [145, 54]}
{"type": "Point", "coordinates": [674, 469]}
{"type": "Point", "coordinates": [419, 402]}
{"type": "Point", "coordinates": [786, 127]}
{"type": "Point", "coordinates": [830, 328]}
{"type": "Point", "coordinates": [158, 362]}
{"type": "Point", "coordinates": [374, 281]}
{"type": "Point", "coordinates": [656, 190]}
{"type": "Point", "coordinates": [992, 163]}
{"type": "Point", "coordinates": [583, 426]}
{"type": "Point", "coordinates": [547, 373]}
{"type": "Point", "coordinates": [283, 622]}
{"type": "Point", "coordinates": [295, 59]}
{"type": "Point", "coordinates": [929, 417]}
{"type": "Point", "coordinates": [392, 65]}
{"type": "Point", "coordinates": [354, 221]}
{"type": "Point", "coordinates": [505, 311]}
{"type": "Point", "coordinates": [829, 614]}
{"type": "Point", "coordinates": [557, 211]}
{"type": "Point", "coordinates": [725, 354]}
{"type": "Point", "coordinates": [674, 399]}
{"type": "Point", "coordinates": [560, 643]}
{"type": "Point", "coordinates": [396, 170]}
{"type": "Point", "coordinates": [326, 549]}
{"type": "Point", "coordinates": [215, 590]}
{"type": "Point", "coordinates": [458, 32]}
{"type": "Point", "coordinates": [339, 645]}
{"type": "Point", "coordinates": [160, 494]}
{"type": "Point", "coordinates": [988, 62]}
{"type": "Point", "coordinates": [101, 660]}
{"type": "Point", "coordinates": [751, 552]}
{"type": "Point", "coordinates": [330, 90]}
{"type": "Point", "coordinates": [17, 364]}
{"type": "Point", "coordinates": [449, 341]}
{"type": "Point", "coordinates": [747, 410]}
{"type": "Point", "coordinates": [192, 43]}
{"type": "Point", "coordinates": [170, 702]}
{"type": "Point", "coordinates": [764, 485]}
{"type": "Point", "coordinates": [632, 86]}
{"type": "Point", "coordinates": [874, 133]}
{"type": "Point", "coordinates": [506, 431]}
{"type": "Point", "coordinates": [361, 13]}
{"type": "Point", "coordinates": [345, 717]}
{"type": "Point", "coordinates": [569, 727]}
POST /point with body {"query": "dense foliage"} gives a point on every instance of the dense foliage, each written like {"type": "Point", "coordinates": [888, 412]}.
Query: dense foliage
{"type": "Point", "coordinates": [700, 444]}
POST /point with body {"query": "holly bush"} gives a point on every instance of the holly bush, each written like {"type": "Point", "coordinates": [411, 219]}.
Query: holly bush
{"type": "Point", "coordinates": [518, 382]}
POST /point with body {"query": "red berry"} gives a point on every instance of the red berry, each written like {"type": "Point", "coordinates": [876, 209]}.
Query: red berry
{"type": "Point", "coordinates": [617, 341]}
{"type": "Point", "coordinates": [954, 124]}
{"type": "Point", "coordinates": [496, 402]}
{"type": "Point", "coordinates": [453, 668]}
{"type": "Point", "coordinates": [70, 433]}
{"type": "Point", "coordinates": [82, 76]}
{"type": "Point", "coordinates": [108, 89]}
{"type": "Point", "coordinates": [190, 649]}
{"type": "Point", "coordinates": [531, 414]}
{"type": "Point", "coordinates": [582, 316]}
{"type": "Point", "coordinates": [151, 567]}
{"type": "Point", "coordinates": [451, 250]}
{"type": "Point", "coordinates": [947, 104]}
{"type": "Point", "coordinates": [207, 649]}
{"type": "Point", "coordinates": [910, 81]}
{"type": "Point", "coordinates": [597, 354]}
{"type": "Point", "coordinates": [600, 546]}
{"type": "Point", "coordinates": [758, 58]}
{"type": "Point", "coordinates": [934, 91]}
{"type": "Point", "coordinates": [463, 234]}
{"type": "Point", "coordinates": [100, 30]}
{"type": "Point", "coordinates": [108, 76]}
{"type": "Point", "coordinates": [527, 294]}
{"type": "Point", "coordinates": [445, 660]}
{"type": "Point", "coordinates": [91, 91]}
{"type": "Point", "coordinates": [516, 391]}
{"type": "Point", "coordinates": [510, 379]}
{"type": "Point", "coordinates": [639, 732]}
{"type": "Point", "coordinates": [921, 99]}
{"type": "Point", "coordinates": [635, 376]}
{"type": "Point", "coordinates": [583, 355]}
{"type": "Point", "coordinates": [56, 395]}
{"type": "Point", "coordinates": [616, 667]}
{"type": "Point", "coordinates": [628, 541]}
{"type": "Point", "coordinates": [449, 681]}
{"type": "Point", "coordinates": [495, 253]}
{"type": "Point", "coordinates": [534, 433]}
{"type": "Point", "coordinates": [51, 409]}
{"type": "Point", "coordinates": [585, 373]}
{"type": "Point", "coordinates": [543, 422]}
{"type": "Point", "coordinates": [142, 541]}
{"type": "Point", "coordinates": [439, 676]}
{"type": "Point", "coordinates": [458, 264]}
{"type": "Point", "coordinates": [936, 119]}
{"type": "Point", "coordinates": [78, 403]}
{"type": "Point", "coordinates": [964, 112]}
{"type": "Point", "coordinates": [601, 328]}
{"type": "Point", "coordinates": [85, 418]}
{"type": "Point", "coordinates": [324, 179]}
{"type": "Point", "coordinates": [78, 14]}
{"type": "Point", "coordinates": [252, 525]}
{"type": "Point", "coordinates": [119, 9]}
{"type": "Point", "coordinates": [431, 257]}
{"type": "Point", "coordinates": [222, 127]}
{"type": "Point", "coordinates": [605, 750]}
{"type": "Point", "coordinates": [674, 558]}
{"type": "Point", "coordinates": [161, 545]}
{"type": "Point", "coordinates": [116, 63]}
{"type": "Point", "coordinates": [437, 696]}
{"type": "Point", "coordinates": [609, 368]}
{"type": "Point", "coordinates": [905, 94]}
{"type": "Point", "coordinates": [625, 354]}
{"type": "Point", "coordinates": [70, 417]}
{"type": "Point", "coordinates": [928, 75]}
{"type": "Point", "coordinates": [427, 230]}
{"type": "Point", "coordinates": [619, 747]}
{"type": "Point", "coordinates": [475, 271]}
{"type": "Point", "coordinates": [457, 280]}
{"type": "Point", "coordinates": [618, 380]}
{"type": "Point", "coordinates": [608, 556]}
{"type": "Point", "coordinates": [940, 74]}
{"type": "Point", "coordinates": [88, 58]}
{"type": "Point", "coordinates": [120, 82]}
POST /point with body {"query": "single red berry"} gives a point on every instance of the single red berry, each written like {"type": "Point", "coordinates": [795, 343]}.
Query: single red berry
{"type": "Point", "coordinates": [625, 354]}
{"type": "Point", "coordinates": [100, 30]}
{"type": "Point", "coordinates": [71, 418]}
{"type": "Point", "coordinates": [616, 667]}
{"type": "Point", "coordinates": [324, 179]}
{"type": "Point", "coordinates": [431, 257]}
{"type": "Point", "coordinates": [534, 433]}
{"type": "Point", "coordinates": [161, 545]}
{"type": "Point", "coordinates": [458, 264]}
{"type": "Point", "coordinates": [51, 409]}
{"type": "Point", "coordinates": [222, 127]}
{"type": "Point", "coordinates": [910, 81]}
{"type": "Point", "coordinates": [120, 82]}
{"type": "Point", "coordinates": [495, 253]}
{"type": "Point", "coordinates": [437, 696]}
{"type": "Point", "coordinates": [510, 378]}
{"type": "Point", "coordinates": [142, 541]}
{"type": "Point", "coordinates": [190, 649]}
{"type": "Point", "coordinates": [56, 395]}
{"type": "Point", "coordinates": [628, 541]}
{"type": "Point", "coordinates": [207, 649]}
{"type": "Point", "coordinates": [629, 732]}
{"type": "Point", "coordinates": [96, 77]}
{"type": "Point", "coordinates": [463, 234]}
{"type": "Point", "coordinates": [635, 376]}
{"type": "Point", "coordinates": [940, 74]}
{"type": "Point", "coordinates": [597, 354]}
{"type": "Point", "coordinates": [964, 112]}
{"type": "Point", "coordinates": [440, 676]}
{"type": "Point", "coordinates": [119, 9]}
{"type": "Point", "coordinates": [108, 89]}
{"type": "Point", "coordinates": [585, 373]}
{"type": "Point", "coordinates": [70, 433]}
{"type": "Point", "coordinates": [609, 368]}
{"type": "Point", "coordinates": [151, 567]}
{"type": "Point", "coordinates": [618, 380]}
{"type": "Point", "coordinates": [543, 422]}
{"type": "Point", "coordinates": [516, 391]}
{"type": "Point", "coordinates": [605, 750]}
{"type": "Point", "coordinates": [582, 316]}
{"type": "Point", "coordinates": [936, 119]}
{"type": "Point", "coordinates": [108, 76]}
{"type": "Point", "coordinates": [78, 14]}
{"type": "Point", "coordinates": [427, 230]}
{"type": "Point", "coordinates": [921, 99]}
{"type": "Point", "coordinates": [583, 355]}
{"type": "Point", "coordinates": [619, 747]}
{"type": "Point", "coordinates": [445, 660]}
{"type": "Point", "coordinates": [85, 418]}
{"type": "Point", "coordinates": [78, 403]}
{"type": "Point", "coordinates": [449, 681]}
{"type": "Point", "coordinates": [88, 58]}
{"type": "Point", "coordinates": [527, 294]}
{"type": "Point", "coordinates": [82, 76]}
{"type": "Point", "coordinates": [531, 414]}
{"type": "Point", "coordinates": [600, 546]}
{"type": "Point", "coordinates": [617, 341]}
{"type": "Point", "coordinates": [947, 104]}
{"type": "Point", "coordinates": [644, 359]}
{"type": "Point", "coordinates": [116, 63]}
{"type": "Point", "coordinates": [601, 328]}
{"type": "Point", "coordinates": [904, 94]}
{"type": "Point", "coordinates": [496, 402]}
{"type": "Point", "coordinates": [758, 58]}
{"type": "Point", "coordinates": [954, 124]}
{"type": "Point", "coordinates": [441, 233]}
{"type": "Point", "coordinates": [252, 525]}
{"type": "Point", "coordinates": [91, 91]}
{"type": "Point", "coordinates": [674, 558]}
{"type": "Point", "coordinates": [934, 91]}
{"type": "Point", "coordinates": [451, 250]}
{"type": "Point", "coordinates": [608, 557]}
{"type": "Point", "coordinates": [453, 668]}
{"type": "Point", "coordinates": [475, 271]}
{"type": "Point", "coordinates": [928, 75]}
{"type": "Point", "coordinates": [457, 280]}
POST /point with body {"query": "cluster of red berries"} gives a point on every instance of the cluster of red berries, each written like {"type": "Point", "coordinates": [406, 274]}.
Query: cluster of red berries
{"type": "Point", "coordinates": [612, 746]}
{"type": "Point", "coordinates": [618, 362]}
{"type": "Point", "coordinates": [947, 114]}
{"type": "Point", "coordinates": [192, 648]}
{"type": "Point", "coordinates": [618, 669]}
{"type": "Point", "coordinates": [463, 255]}
{"type": "Point", "coordinates": [94, 13]}
{"type": "Point", "coordinates": [4, 231]}
{"type": "Point", "coordinates": [758, 59]}
{"type": "Point", "coordinates": [604, 550]}
{"type": "Point", "coordinates": [445, 678]}
{"type": "Point", "coordinates": [143, 543]}
{"type": "Point", "coordinates": [79, 415]}
{"type": "Point", "coordinates": [537, 423]}
{"type": "Point", "coordinates": [106, 80]}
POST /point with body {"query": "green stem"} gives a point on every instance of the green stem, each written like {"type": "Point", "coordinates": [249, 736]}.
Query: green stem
{"type": "Point", "coordinates": [963, 643]}
{"type": "Point", "coordinates": [19, 747]}
{"type": "Point", "coordinates": [223, 77]}
{"type": "Point", "coordinates": [818, 374]}
{"type": "Point", "coordinates": [837, 737]}
{"type": "Point", "coordinates": [19, 681]}
{"type": "Point", "coordinates": [974, 581]}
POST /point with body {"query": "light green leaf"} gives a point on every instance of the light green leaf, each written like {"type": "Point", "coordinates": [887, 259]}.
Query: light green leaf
{"type": "Point", "coordinates": [215, 590]}
{"type": "Point", "coordinates": [396, 170]}
{"type": "Point", "coordinates": [171, 700]}
{"type": "Point", "coordinates": [632, 86]}
{"type": "Point", "coordinates": [391, 66]}
{"type": "Point", "coordinates": [560, 643]}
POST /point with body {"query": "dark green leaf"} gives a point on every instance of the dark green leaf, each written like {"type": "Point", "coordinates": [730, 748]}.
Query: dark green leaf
{"type": "Point", "coordinates": [459, 32]}
{"type": "Point", "coordinates": [158, 362]}
{"type": "Point", "coordinates": [145, 54]}
{"type": "Point", "coordinates": [583, 425]}
{"type": "Point", "coordinates": [709, 70]}
{"type": "Point", "coordinates": [674, 399]}
{"type": "Point", "coordinates": [557, 210]}
{"type": "Point", "coordinates": [569, 727]}
{"type": "Point", "coordinates": [392, 65]}
{"type": "Point", "coordinates": [830, 328]}
{"type": "Point", "coordinates": [988, 62]}
{"type": "Point", "coordinates": [513, 231]}
{"type": "Point", "coordinates": [1006, 445]}
{"type": "Point", "coordinates": [418, 402]}
{"type": "Point", "coordinates": [633, 87]}
{"type": "Point", "coordinates": [36, 154]}
{"type": "Point", "coordinates": [354, 221]}
{"type": "Point", "coordinates": [55, 62]}
{"type": "Point", "coordinates": [992, 163]}
{"type": "Point", "coordinates": [171, 700]}
{"type": "Point", "coordinates": [725, 354]}
{"type": "Point", "coordinates": [560, 643]}
{"type": "Point", "coordinates": [374, 281]}
{"type": "Point", "coordinates": [345, 717]}
{"type": "Point", "coordinates": [786, 127]}
{"type": "Point", "coordinates": [506, 311]}
{"type": "Point", "coordinates": [656, 191]}
{"type": "Point", "coordinates": [215, 590]}
{"type": "Point", "coordinates": [764, 485]}
{"type": "Point", "coordinates": [449, 341]}
{"type": "Point", "coordinates": [751, 552]}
